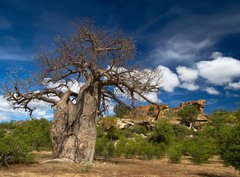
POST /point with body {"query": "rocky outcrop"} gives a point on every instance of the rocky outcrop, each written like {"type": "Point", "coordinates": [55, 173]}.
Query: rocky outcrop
{"type": "Point", "coordinates": [200, 104]}
{"type": "Point", "coordinates": [146, 116]}
{"type": "Point", "coordinates": [109, 122]}
{"type": "Point", "coordinates": [151, 110]}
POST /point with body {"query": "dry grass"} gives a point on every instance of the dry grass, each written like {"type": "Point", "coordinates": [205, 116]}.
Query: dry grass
{"type": "Point", "coordinates": [119, 167]}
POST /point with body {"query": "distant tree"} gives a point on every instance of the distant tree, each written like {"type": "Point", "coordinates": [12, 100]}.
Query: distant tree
{"type": "Point", "coordinates": [120, 110]}
{"type": "Point", "coordinates": [97, 59]}
{"type": "Point", "coordinates": [189, 114]}
{"type": "Point", "coordinates": [151, 110]}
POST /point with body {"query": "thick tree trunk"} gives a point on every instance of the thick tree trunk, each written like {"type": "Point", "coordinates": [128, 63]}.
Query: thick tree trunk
{"type": "Point", "coordinates": [74, 127]}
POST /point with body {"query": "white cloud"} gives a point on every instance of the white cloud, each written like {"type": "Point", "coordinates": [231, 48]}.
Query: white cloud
{"type": "Point", "coordinates": [189, 86]}
{"type": "Point", "coordinates": [212, 91]}
{"type": "Point", "coordinates": [169, 80]}
{"type": "Point", "coordinates": [187, 74]}
{"type": "Point", "coordinates": [153, 96]}
{"type": "Point", "coordinates": [233, 85]}
{"type": "Point", "coordinates": [219, 71]}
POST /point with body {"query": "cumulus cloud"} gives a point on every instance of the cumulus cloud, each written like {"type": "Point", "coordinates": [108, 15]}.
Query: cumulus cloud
{"type": "Point", "coordinates": [219, 71]}
{"type": "Point", "coordinates": [169, 80]}
{"type": "Point", "coordinates": [189, 86]}
{"type": "Point", "coordinates": [187, 74]}
{"type": "Point", "coordinates": [212, 91]}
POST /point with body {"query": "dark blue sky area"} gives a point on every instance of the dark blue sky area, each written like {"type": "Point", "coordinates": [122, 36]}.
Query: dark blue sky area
{"type": "Point", "coordinates": [169, 33]}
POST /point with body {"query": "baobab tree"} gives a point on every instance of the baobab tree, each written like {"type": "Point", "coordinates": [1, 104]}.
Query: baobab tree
{"type": "Point", "coordinates": [96, 59]}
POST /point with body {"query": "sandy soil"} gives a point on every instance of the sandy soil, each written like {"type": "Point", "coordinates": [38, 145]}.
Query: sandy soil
{"type": "Point", "coordinates": [119, 167]}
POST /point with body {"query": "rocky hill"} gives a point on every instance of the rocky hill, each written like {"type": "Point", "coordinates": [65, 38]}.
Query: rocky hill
{"type": "Point", "coordinates": [147, 115]}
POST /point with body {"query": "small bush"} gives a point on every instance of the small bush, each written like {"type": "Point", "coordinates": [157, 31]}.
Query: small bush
{"type": "Point", "coordinates": [113, 134]}
{"type": "Point", "coordinates": [199, 150]}
{"type": "Point", "coordinates": [188, 114]}
{"type": "Point", "coordinates": [14, 150]}
{"type": "Point", "coordinates": [35, 133]}
{"type": "Point", "coordinates": [181, 131]}
{"type": "Point", "coordinates": [230, 148]}
{"type": "Point", "coordinates": [175, 153]}
{"type": "Point", "coordinates": [162, 133]}
{"type": "Point", "coordinates": [140, 148]}
{"type": "Point", "coordinates": [138, 129]}
{"type": "Point", "coordinates": [104, 148]}
{"type": "Point", "coordinates": [151, 110]}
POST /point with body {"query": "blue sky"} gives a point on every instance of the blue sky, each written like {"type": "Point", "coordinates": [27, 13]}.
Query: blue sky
{"type": "Point", "coordinates": [196, 43]}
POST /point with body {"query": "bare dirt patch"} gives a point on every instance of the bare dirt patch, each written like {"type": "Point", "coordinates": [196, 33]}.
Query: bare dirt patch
{"type": "Point", "coordinates": [119, 167]}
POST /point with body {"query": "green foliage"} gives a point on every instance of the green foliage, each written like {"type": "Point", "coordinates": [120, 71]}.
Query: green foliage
{"type": "Point", "coordinates": [14, 150]}
{"type": "Point", "coordinates": [220, 136]}
{"type": "Point", "coordinates": [163, 132]}
{"type": "Point", "coordinates": [188, 114]}
{"type": "Point", "coordinates": [113, 134]}
{"type": "Point", "coordinates": [199, 149]}
{"type": "Point", "coordinates": [175, 153]}
{"type": "Point", "coordinates": [120, 110]}
{"type": "Point", "coordinates": [104, 148]}
{"type": "Point", "coordinates": [140, 148]}
{"type": "Point", "coordinates": [181, 131]}
{"type": "Point", "coordinates": [151, 110]}
{"type": "Point", "coordinates": [139, 129]}
{"type": "Point", "coordinates": [18, 139]}
{"type": "Point", "coordinates": [223, 132]}
{"type": "Point", "coordinates": [36, 133]}
{"type": "Point", "coordinates": [229, 148]}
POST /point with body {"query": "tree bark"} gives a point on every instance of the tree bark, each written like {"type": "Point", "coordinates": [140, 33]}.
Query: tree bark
{"type": "Point", "coordinates": [74, 127]}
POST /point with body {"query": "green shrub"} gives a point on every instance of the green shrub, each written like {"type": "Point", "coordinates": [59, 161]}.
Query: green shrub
{"type": "Point", "coordinates": [138, 129]}
{"type": "Point", "coordinates": [223, 132]}
{"type": "Point", "coordinates": [181, 131]}
{"type": "Point", "coordinates": [162, 133]}
{"type": "Point", "coordinates": [140, 148]}
{"type": "Point", "coordinates": [151, 110]}
{"type": "Point", "coordinates": [18, 139]}
{"type": "Point", "coordinates": [35, 133]}
{"type": "Point", "coordinates": [113, 134]}
{"type": "Point", "coordinates": [104, 148]}
{"type": "Point", "coordinates": [199, 150]}
{"type": "Point", "coordinates": [230, 148]}
{"type": "Point", "coordinates": [120, 147]}
{"type": "Point", "coordinates": [14, 150]}
{"type": "Point", "coordinates": [188, 114]}
{"type": "Point", "coordinates": [175, 153]}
